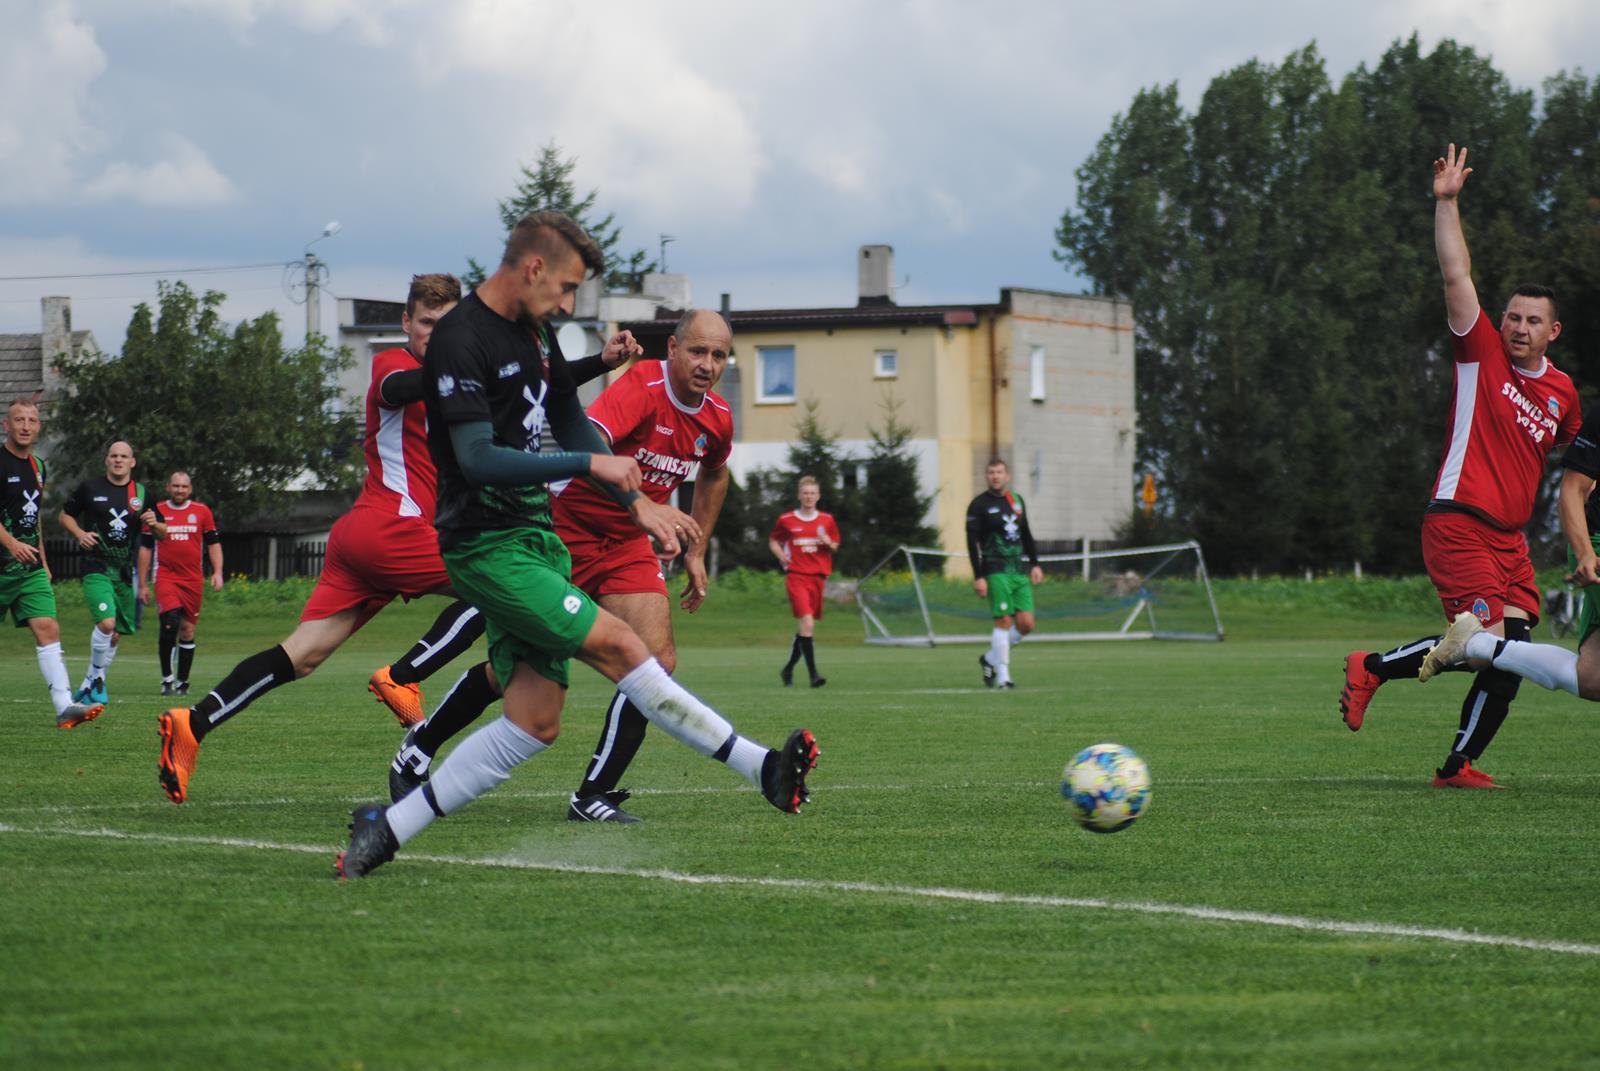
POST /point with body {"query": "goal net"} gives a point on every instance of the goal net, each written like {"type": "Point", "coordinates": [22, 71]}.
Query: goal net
{"type": "Point", "coordinates": [919, 597]}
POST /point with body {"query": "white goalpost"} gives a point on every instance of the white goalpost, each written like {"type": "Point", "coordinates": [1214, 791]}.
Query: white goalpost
{"type": "Point", "coordinates": [922, 597]}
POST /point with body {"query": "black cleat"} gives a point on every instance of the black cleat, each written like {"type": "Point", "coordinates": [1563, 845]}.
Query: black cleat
{"type": "Point", "coordinates": [409, 768]}
{"type": "Point", "coordinates": [783, 775]}
{"type": "Point", "coordinates": [168, 688]}
{"type": "Point", "coordinates": [182, 688]}
{"type": "Point", "coordinates": [372, 842]}
{"type": "Point", "coordinates": [1009, 684]}
{"type": "Point", "coordinates": [988, 672]}
{"type": "Point", "coordinates": [602, 807]}
{"type": "Point", "coordinates": [786, 674]}
{"type": "Point", "coordinates": [818, 682]}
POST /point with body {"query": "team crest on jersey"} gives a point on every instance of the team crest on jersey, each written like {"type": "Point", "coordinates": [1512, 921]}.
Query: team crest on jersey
{"type": "Point", "coordinates": [135, 502]}
{"type": "Point", "coordinates": [1554, 406]}
{"type": "Point", "coordinates": [1480, 610]}
{"type": "Point", "coordinates": [191, 518]}
{"type": "Point", "coordinates": [700, 445]}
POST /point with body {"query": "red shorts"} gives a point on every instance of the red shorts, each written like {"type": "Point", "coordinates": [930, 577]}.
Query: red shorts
{"type": "Point", "coordinates": [372, 557]}
{"type": "Point", "coordinates": [175, 594]}
{"type": "Point", "coordinates": [1478, 567]}
{"type": "Point", "coordinates": [805, 593]}
{"type": "Point", "coordinates": [614, 566]}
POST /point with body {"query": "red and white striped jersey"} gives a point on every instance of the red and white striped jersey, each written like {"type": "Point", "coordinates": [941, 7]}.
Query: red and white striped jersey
{"type": "Point", "coordinates": [1503, 423]}
{"type": "Point", "coordinates": [401, 480]}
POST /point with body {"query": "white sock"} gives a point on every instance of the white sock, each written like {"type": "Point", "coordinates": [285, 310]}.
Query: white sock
{"type": "Point", "coordinates": [668, 704]}
{"type": "Point", "coordinates": [54, 667]}
{"type": "Point", "coordinates": [1545, 664]}
{"type": "Point", "coordinates": [99, 646]}
{"type": "Point", "coordinates": [478, 764]}
{"type": "Point", "coordinates": [1016, 635]}
{"type": "Point", "coordinates": [746, 759]}
{"type": "Point", "coordinates": [1000, 653]}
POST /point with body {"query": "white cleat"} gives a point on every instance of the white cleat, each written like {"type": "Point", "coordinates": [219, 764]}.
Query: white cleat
{"type": "Point", "coordinates": [1451, 650]}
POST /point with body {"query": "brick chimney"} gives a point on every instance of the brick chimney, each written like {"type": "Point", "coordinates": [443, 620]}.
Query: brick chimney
{"type": "Point", "coordinates": [55, 340]}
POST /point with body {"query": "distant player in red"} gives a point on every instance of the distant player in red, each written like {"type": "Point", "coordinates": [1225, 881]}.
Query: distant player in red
{"type": "Point", "coordinates": [664, 415]}
{"type": "Point", "coordinates": [803, 540]}
{"type": "Point", "coordinates": [176, 560]}
{"type": "Point", "coordinates": [1511, 406]}
{"type": "Point", "coordinates": [384, 547]}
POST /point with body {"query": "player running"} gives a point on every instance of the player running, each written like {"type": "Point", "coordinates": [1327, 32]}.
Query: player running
{"type": "Point", "coordinates": [490, 400]}
{"type": "Point", "coordinates": [803, 540]}
{"type": "Point", "coordinates": [383, 548]}
{"type": "Point", "coordinates": [25, 591]}
{"type": "Point", "coordinates": [179, 583]}
{"type": "Point", "coordinates": [1511, 406]}
{"type": "Point", "coordinates": [104, 514]}
{"type": "Point", "coordinates": [998, 537]}
{"type": "Point", "coordinates": [666, 416]}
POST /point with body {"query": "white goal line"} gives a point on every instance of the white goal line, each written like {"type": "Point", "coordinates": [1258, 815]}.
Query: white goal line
{"type": "Point", "coordinates": [815, 885]}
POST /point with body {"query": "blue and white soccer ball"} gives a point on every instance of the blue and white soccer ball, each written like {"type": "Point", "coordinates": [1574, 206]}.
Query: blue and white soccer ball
{"type": "Point", "coordinates": [1106, 787]}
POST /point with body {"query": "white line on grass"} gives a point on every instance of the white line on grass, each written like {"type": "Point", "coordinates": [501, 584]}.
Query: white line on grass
{"type": "Point", "coordinates": [814, 885]}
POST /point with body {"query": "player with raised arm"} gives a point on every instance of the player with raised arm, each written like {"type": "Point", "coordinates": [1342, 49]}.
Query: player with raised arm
{"type": "Point", "coordinates": [1511, 406]}
{"type": "Point", "coordinates": [490, 401]}
{"type": "Point", "coordinates": [664, 415]}
{"type": "Point", "coordinates": [803, 540]}
{"type": "Point", "coordinates": [104, 514]}
{"type": "Point", "coordinates": [383, 548]}
{"type": "Point", "coordinates": [998, 538]}
{"type": "Point", "coordinates": [176, 560]}
{"type": "Point", "coordinates": [25, 591]}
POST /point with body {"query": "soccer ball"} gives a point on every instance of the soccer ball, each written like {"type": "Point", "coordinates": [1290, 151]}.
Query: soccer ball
{"type": "Point", "coordinates": [1106, 786]}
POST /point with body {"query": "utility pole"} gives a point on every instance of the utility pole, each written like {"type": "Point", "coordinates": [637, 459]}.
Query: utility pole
{"type": "Point", "coordinates": [314, 269]}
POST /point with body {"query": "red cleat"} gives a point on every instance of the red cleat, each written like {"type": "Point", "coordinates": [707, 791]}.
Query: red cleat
{"type": "Point", "coordinates": [1358, 688]}
{"type": "Point", "coordinates": [1466, 777]}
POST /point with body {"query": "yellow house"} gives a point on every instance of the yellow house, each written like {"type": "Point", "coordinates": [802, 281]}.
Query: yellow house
{"type": "Point", "coordinates": [1041, 379]}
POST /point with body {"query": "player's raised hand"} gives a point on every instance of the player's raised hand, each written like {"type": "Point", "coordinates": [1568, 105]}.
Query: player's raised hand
{"type": "Point", "coordinates": [1450, 173]}
{"type": "Point", "coordinates": [660, 523]}
{"type": "Point", "coordinates": [622, 472]}
{"type": "Point", "coordinates": [694, 592]}
{"type": "Point", "coordinates": [621, 349]}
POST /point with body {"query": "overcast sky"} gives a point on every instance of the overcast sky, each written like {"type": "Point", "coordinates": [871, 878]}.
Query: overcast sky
{"type": "Point", "coordinates": [769, 139]}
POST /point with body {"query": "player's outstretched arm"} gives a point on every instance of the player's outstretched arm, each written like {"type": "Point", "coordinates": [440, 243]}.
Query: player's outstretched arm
{"type": "Point", "coordinates": [1450, 173]}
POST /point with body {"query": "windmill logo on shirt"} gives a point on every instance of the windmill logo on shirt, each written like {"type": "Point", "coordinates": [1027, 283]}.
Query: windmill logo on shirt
{"type": "Point", "coordinates": [533, 421]}
{"type": "Point", "coordinates": [30, 507]}
{"type": "Point", "coordinates": [1013, 533]}
{"type": "Point", "coordinates": [700, 445]}
{"type": "Point", "coordinates": [119, 524]}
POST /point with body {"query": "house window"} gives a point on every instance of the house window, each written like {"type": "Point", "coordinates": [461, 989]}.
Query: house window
{"type": "Point", "coordinates": [1036, 374]}
{"type": "Point", "coordinates": [885, 364]}
{"type": "Point", "coordinates": [775, 373]}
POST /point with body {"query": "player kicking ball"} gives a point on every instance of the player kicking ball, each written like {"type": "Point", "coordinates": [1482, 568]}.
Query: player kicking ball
{"type": "Point", "coordinates": [490, 400]}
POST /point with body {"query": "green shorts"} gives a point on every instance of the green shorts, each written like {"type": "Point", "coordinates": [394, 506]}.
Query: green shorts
{"type": "Point", "coordinates": [1588, 599]}
{"type": "Point", "coordinates": [107, 596]}
{"type": "Point", "coordinates": [1008, 593]}
{"type": "Point", "coordinates": [521, 579]}
{"type": "Point", "coordinates": [26, 595]}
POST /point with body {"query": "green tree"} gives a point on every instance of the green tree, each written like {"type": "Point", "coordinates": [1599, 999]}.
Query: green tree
{"type": "Point", "coordinates": [548, 186]}
{"type": "Point", "coordinates": [243, 415]}
{"type": "Point", "coordinates": [891, 507]}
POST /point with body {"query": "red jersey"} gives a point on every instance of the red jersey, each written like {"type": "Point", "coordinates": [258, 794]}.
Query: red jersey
{"type": "Point", "coordinates": [669, 439]}
{"type": "Point", "coordinates": [179, 557]}
{"type": "Point", "coordinates": [1503, 423]}
{"type": "Point", "coordinates": [401, 480]}
{"type": "Point", "coordinates": [808, 554]}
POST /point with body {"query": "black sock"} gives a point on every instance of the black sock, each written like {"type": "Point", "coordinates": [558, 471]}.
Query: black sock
{"type": "Point", "coordinates": [167, 643]}
{"type": "Point", "coordinates": [810, 652]}
{"type": "Point", "coordinates": [453, 631]}
{"type": "Point", "coordinates": [1403, 662]}
{"type": "Point", "coordinates": [185, 660]}
{"type": "Point", "coordinates": [469, 697]}
{"type": "Point", "coordinates": [250, 679]}
{"type": "Point", "coordinates": [1499, 688]}
{"type": "Point", "coordinates": [794, 653]}
{"type": "Point", "coordinates": [619, 743]}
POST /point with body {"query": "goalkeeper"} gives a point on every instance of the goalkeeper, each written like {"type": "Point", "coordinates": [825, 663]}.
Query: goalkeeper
{"type": "Point", "coordinates": [998, 538]}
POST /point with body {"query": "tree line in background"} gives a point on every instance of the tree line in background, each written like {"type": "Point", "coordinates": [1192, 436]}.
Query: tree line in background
{"type": "Point", "coordinates": [1293, 361]}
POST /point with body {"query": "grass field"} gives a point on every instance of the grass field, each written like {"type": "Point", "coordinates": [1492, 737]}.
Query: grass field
{"type": "Point", "coordinates": [1297, 895]}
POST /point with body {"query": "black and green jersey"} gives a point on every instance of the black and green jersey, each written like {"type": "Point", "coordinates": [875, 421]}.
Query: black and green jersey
{"type": "Point", "coordinates": [998, 537]}
{"type": "Point", "coordinates": [482, 367]}
{"type": "Point", "coordinates": [21, 495]}
{"type": "Point", "coordinates": [111, 511]}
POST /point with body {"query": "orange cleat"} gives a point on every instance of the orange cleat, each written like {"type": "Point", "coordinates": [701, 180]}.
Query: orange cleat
{"type": "Point", "coordinates": [404, 700]}
{"type": "Point", "coordinates": [1358, 688]}
{"type": "Point", "coordinates": [78, 713]}
{"type": "Point", "coordinates": [179, 749]}
{"type": "Point", "coordinates": [1466, 777]}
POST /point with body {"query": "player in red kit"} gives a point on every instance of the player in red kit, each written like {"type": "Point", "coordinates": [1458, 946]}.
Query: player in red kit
{"type": "Point", "coordinates": [176, 560]}
{"type": "Point", "coordinates": [803, 540]}
{"type": "Point", "coordinates": [664, 415]}
{"type": "Point", "coordinates": [1511, 407]}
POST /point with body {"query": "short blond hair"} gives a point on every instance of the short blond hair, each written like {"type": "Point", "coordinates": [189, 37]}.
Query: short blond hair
{"type": "Point", "coordinates": [810, 481]}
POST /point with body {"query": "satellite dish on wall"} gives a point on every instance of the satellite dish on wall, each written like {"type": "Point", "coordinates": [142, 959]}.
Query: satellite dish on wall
{"type": "Point", "coordinates": [573, 340]}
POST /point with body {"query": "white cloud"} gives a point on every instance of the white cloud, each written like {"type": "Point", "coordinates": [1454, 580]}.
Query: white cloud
{"type": "Point", "coordinates": [183, 177]}
{"type": "Point", "coordinates": [372, 20]}
{"type": "Point", "coordinates": [48, 58]}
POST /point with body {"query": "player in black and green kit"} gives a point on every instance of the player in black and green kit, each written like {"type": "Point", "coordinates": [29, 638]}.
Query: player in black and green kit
{"type": "Point", "coordinates": [494, 384]}
{"type": "Point", "coordinates": [105, 515]}
{"type": "Point", "coordinates": [998, 539]}
{"type": "Point", "coordinates": [25, 591]}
